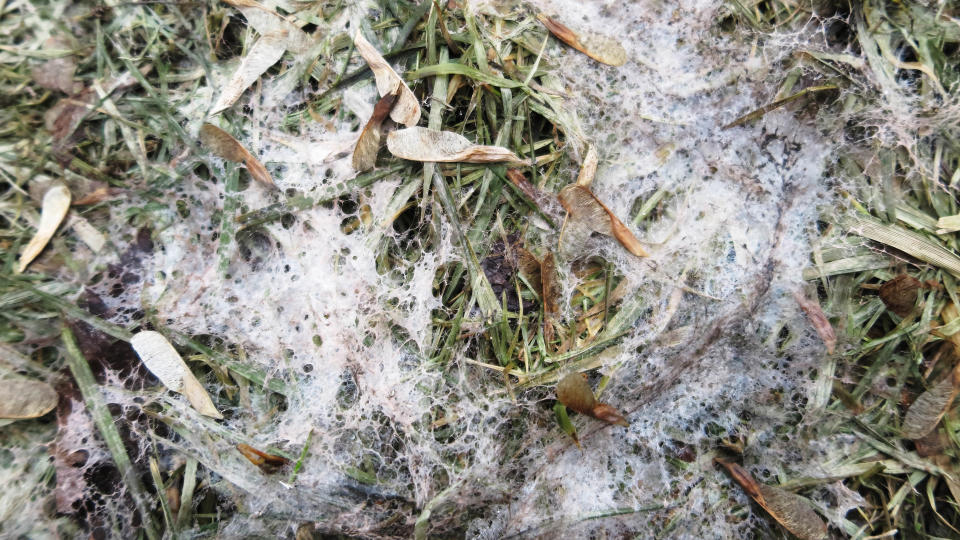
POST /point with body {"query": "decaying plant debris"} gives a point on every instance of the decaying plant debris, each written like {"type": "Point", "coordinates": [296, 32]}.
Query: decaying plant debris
{"type": "Point", "coordinates": [373, 348]}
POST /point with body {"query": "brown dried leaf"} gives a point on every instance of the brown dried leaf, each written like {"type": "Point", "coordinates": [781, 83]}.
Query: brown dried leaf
{"type": "Point", "coordinates": [406, 111]}
{"type": "Point", "coordinates": [603, 49]}
{"type": "Point", "coordinates": [223, 145]}
{"type": "Point", "coordinates": [586, 209]}
{"type": "Point", "coordinates": [22, 398]}
{"type": "Point", "coordinates": [900, 294]}
{"type": "Point", "coordinates": [925, 413]}
{"type": "Point", "coordinates": [574, 392]}
{"type": "Point", "coordinates": [56, 203]}
{"type": "Point", "coordinates": [818, 319]}
{"type": "Point", "coordinates": [790, 510]}
{"type": "Point", "coordinates": [589, 167]}
{"type": "Point", "coordinates": [265, 52]}
{"type": "Point", "coordinates": [368, 145]}
{"type": "Point", "coordinates": [423, 144]}
{"type": "Point", "coordinates": [268, 463]}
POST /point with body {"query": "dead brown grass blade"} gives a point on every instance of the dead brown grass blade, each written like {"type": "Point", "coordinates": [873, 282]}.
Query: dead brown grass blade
{"type": "Point", "coordinates": [818, 319]}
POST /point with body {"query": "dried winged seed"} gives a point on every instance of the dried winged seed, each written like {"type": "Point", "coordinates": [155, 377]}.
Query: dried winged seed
{"type": "Point", "coordinates": [266, 21]}
{"type": "Point", "coordinates": [603, 49]}
{"type": "Point", "coordinates": [574, 392]}
{"type": "Point", "coordinates": [266, 52]}
{"type": "Point", "coordinates": [793, 512]}
{"type": "Point", "coordinates": [609, 415]}
{"type": "Point", "coordinates": [267, 462]}
{"type": "Point", "coordinates": [368, 144]}
{"type": "Point", "coordinates": [550, 294]}
{"type": "Point", "coordinates": [24, 398]}
{"type": "Point", "coordinates": [529, 267]}
{"type": "Point", "coordinates": [818, 319]}
{"type": "Point", "coordinates": [56, 202]}
{"type": "Point", "coordinates": [900, 294]}
{"type": "Point", "coordinates": [406, 111]}
{"type": "Point", "coordinates": [589, 167]}
{"type": "Point", "coordinates": [165, 363]}
{"type": "Point", "coordinates": [585, 208]}
{"type": "Point", "coordinates": [223, 145]}
{"type": "Point", "coordinates": [422, 144]}
{"type": "Point", "coordinates": [925, 413]}
{"type": "Point", "coordinates": [790, 510]}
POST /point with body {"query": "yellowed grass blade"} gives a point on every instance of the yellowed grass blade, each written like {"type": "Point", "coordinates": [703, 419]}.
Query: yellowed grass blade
{"type": "Point", "coordinates": [948, 224]}
{"type": "Point", "coordinates": [818, 319]}
{"type": "Point", "coordinates": [910, 242]}
{"type": "Point", "coordinates": [603, 49]}
{"type": "Point", "coordinates": [925, 413]}
{"type": "Point", "coordinates": [790, 510]}
{"type": "Point", "coordinates": [589, 168]}
{"type": "Point", "coordinates": [422, 144]}
{"type": "Point", "coordinates": [265, 52]}
{"type": "Point", "coordinates": [368, 145]}
{"type": "Point", "coordinates": [223, 145]}
{"type": "Point", "coordinates": [165, 362]}
{"type": "Point", "coordinates": [24, 398]}
{"type": "Point", "coordinates": [56, 202]}
{"type": "Point", "coordinates": [585, 208]}
{"type": "Point", "coordinates": [406, 111]}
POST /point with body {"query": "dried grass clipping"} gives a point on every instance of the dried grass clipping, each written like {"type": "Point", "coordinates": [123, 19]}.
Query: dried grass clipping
{"type": "Point", "coordinates": [818, 319]}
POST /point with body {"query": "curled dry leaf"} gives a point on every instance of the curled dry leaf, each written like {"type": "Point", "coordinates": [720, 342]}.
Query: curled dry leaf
{"type": "Point", "coordinates": [925, 413]}
{"type": "Point", "coordinates": [589, 167]}
{"type": "Point", "coordinates": [818, 319]}
{"type": "Point", "coordinates": [900, 294]}
{"type": "Point", "coordinates": [529, 267]}
{"type": "Point", "coordinates": [163, 361]}
{"type": "Point", "coordinates": [574, 392]}
{"type": "Point", "coordinates": [24, 398]}
{"type": "Point", "coordinates": [56, 202]}
{"type": "Point", "coordinates": [586, 209]}
{"type": "Point", "coordinates": [368, 144]}
{"type": "Point", "coordinates": [267, 463]}
{"type": "Point", "coordinates": [223, 145]}
{"type": "Point", "coordinates": [789, 509]}
{"type": "Point", "coordinates": [406, 111]}
{"type": "Point", "coordinates": [603, 49]}
{"type": "Point", "coordinates": [422, 144]}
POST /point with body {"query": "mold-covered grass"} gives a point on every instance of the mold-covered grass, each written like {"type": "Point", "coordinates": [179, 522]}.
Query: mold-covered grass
{"type": "Point", "coordinates": [377, 332]}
